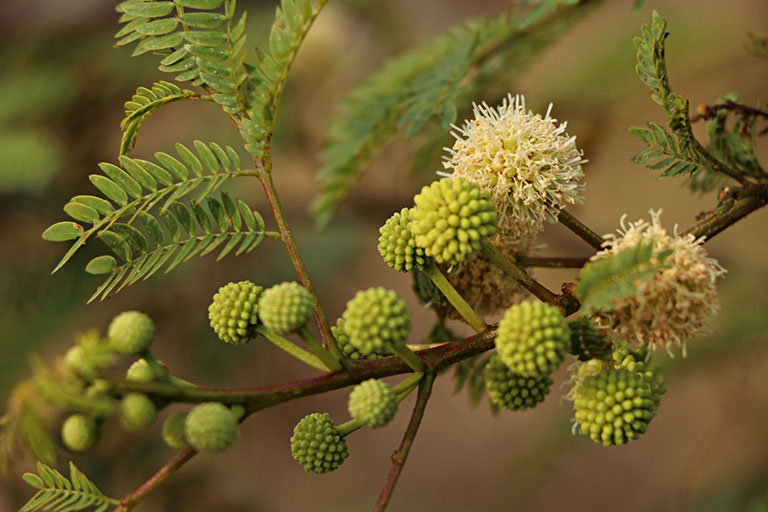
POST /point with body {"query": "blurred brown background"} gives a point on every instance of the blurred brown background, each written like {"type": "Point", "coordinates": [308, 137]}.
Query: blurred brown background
{"type": "Point", "coordinates": [61, 92]}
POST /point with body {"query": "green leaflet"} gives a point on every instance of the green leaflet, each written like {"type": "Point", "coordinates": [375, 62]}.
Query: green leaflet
{"type": "Point", "coordinates": [56, 492]}
{"type": "Point", "coordinates": [164, 196]}
{"type": "Point", "coordinates": [192, 44]}
{"type": "Point", "coordinates": [143, 103]}
{"type": "Point", "coordinates": [603, 281]}
{"type": "Point", "coordinates": [674, 150]}
{"type": "Point", "coordinates": [409, 91]}
{"type": "Point", "coordinates": [293, 20]}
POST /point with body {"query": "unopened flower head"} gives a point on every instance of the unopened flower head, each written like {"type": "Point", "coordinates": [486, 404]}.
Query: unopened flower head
{"type": "Point", "coordinates": [527, 162]}
{"type": "Point", "coordinates": [674, 304]}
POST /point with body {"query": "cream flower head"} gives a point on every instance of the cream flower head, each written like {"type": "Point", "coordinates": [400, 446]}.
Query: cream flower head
{"type": "Point", "coordinates": [673, 305]}
{"type": "Point", "coordinates": [527, 162]}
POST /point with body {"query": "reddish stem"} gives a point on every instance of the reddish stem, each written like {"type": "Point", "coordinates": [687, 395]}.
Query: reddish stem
{"type": "Point", "coordinates": [130, 500]}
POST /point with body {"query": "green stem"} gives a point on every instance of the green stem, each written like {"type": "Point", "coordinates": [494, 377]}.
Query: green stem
{"type": "Point", "coordinates": [407, 384]}
{"type": "Point", "coordinates": [317, 349]}
{"type": "Point", "coordinates": [453, 296]}
{"type": "Point", "coordinates": [294, 350]}
{"type": "Point", "coordinates": [410, 358]}
{"type": "Point", "coordinates": [509, 267]}
{"type": "Point", "coordinates": [347, 428]}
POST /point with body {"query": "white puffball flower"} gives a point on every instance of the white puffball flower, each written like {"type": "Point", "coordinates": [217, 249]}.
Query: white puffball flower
{"type": "Point", "coordinates": [527, 162]}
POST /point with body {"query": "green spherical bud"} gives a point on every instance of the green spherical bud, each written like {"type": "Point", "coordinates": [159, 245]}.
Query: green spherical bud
{"type": "Point", "coordinates": [637, 361]}
{"type": "Point", "coordinates": [131, 332]}
{"type": "Point", "coordinates": [317, 445]}
{"type": "Point", "coordinates": [451, 218]}
{"type": "Point", "coordinates": [512, 391]}
{"type": "Point", "coordinates": [532, 338]}
{"type": "Point", "coordinates": [346, 348]}
{"type": "Point", "coordinates": [373, 403]}
{"type": "Point", "coordinates": [76, 361]}
{"type": "Point", "coordinates": [140, 371]}
{"type": "Point", "coordinates": [174, 431]}
{"type": "Point", "coordinates": [211, 428]}
{"type": "Point", "coordinates": [234, 312]}
{"type": "Point", "coordinates": [397, 244]}
{"type": "Point", "coordinates": [375, 320]}
{"type": "Point", "coordinates": [79, 432]}
{"type": "Point", "coordinates": [614, 406]}
{"type": "Point", "coordinates": [285, 307]}
{"type": "Point", "coordinates": [137, 411]}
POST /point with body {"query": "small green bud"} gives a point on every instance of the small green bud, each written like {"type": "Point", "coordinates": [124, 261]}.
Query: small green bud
{"type": "Point", "coordinates": [346, 348]}
{"type": "Point", "coordinates": [450, 219]}
{"type": "Point", "coordinates": [285, 307]}
{"type": "Point", "coordinates": [174, 431]}
{"type": "Point", "coordinates": [636, 361]}
{"type": "Point", "coordinates": [375, 320]}
{"type": "Point", "coordinates": [397, 245]}
{"type": "Point", "coordinates": [512, 391]}
{"type": "Point", "coordinates": [373, 403]}
{"type": "Point", "coordinates": [234, 312]}
{"type": "Point", "coordinates": [76, 361]}
{"type": "Point", "coordinates": [137, 411]}
{"type": "Point", "coordinates": [532, 338]}
{"type": "Point", "coordinates": [211, 427]}
{"type": "Point", "coordinates": [317, 445]}
{"type": "Point", "coordinates": [79, 432]}
{"type": "Point", "coordinates": [131, 332]}
{"type": "Point", "coordinates": [140, 371]}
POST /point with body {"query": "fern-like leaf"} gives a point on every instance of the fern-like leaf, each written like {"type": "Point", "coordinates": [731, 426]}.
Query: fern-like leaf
{"type": "Point", "coordinates": [148, 195]}
{"type": "Point", "coordinates": [293, 20]}
{"type": "Point", "coordinates": [143, 103]}
{"type": "Point", "coordinates": [200, 41]}
{"type": "Point", "coordinates": [57, 493]}
{"type": "Point", "coordinates": [427, 83]}
{"type": "Point", "coordinates": [603, 281]}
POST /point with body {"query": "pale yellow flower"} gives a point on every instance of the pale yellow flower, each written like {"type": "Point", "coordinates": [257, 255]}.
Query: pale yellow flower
{"type": "Point", "coordinates": [527, 162]}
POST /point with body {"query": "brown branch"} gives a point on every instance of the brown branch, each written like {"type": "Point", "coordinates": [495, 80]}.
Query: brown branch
{"type": "Point", "coordinates": [714, 224]}
{"type": "Point", "coordinates": [130, 500]}
{"type": "Point", "coordinates": [580, 229]}
{"type": "Point", "coordinates": [401, 454]}
{"type": "Point", "coordinates": [705, 111]}
{"type": "Point", "coordinates": [551, 261]}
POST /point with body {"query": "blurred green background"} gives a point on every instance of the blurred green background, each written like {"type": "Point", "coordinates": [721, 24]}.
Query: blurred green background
{"type": "Point", "coordinates": [62, 86]}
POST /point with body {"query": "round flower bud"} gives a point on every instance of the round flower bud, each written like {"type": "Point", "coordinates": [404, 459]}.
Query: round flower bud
{"type": "Point", "coordinates": [375, 320]}
{"type": "Point", "coordinates": [674, 304]}
{"type": "Point", "coordinates": [636, 361]}
{"type": "Point", "coordinates": [373, 403]}
{"type": "Point", "coordinates": [131, 332]}
{"type": "Point", "coordinates": [317, 445]}
{"type": "Point", "coordinates": [76, 361]}
{"type": "Point", "coordinates": [211, 427]}
{"type": "Point", "coordinates": [397, 245]}
{"type": "Point", "coordinates": [346, 348]}
{"type": "Point", "coordinates": [613, 406]}
{"type": "Point", "coordinates": [532, 338]}
{"type": "Point", "coordinates": [450, 219]}
{"type": "Point", "coordinates": [137, 411]}
{"type": "Point", "coordinates": [285, 307]}
{"type": "Point", "coordinates": [234, 312]}
{"type": "Point", "coordinates": [526, 162]}
{"type": "Point", "coordinates": [140, 371]}
{"type": "Point", "coordinates": [79, 432]}
{"type": "Point", "coordinates": [174, 431]}
{"type": "Point", "coordinates": [512, 391]}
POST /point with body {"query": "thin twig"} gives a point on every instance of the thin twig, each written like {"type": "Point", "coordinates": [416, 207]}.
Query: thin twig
{"type": "Point", "coordinates": [400, 456]}
{"type": "Point", "coordinates": [705, 111]}
{"type": "Point", "coordinates": [580, 229]}
{"type": "Point", "coordinates": [509, 267]}
{"type": "Point", "coordinates": [714, 224]}
{"type": "Point", "coordinates": [298, 263]}
{"type": "Point", "coordinates": [130, 500]}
